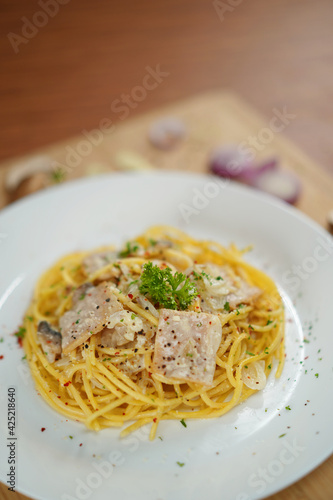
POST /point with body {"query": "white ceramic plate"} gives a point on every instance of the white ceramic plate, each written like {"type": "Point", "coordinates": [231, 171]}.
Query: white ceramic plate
{"type": "Point", "coordinates": [239, 456]}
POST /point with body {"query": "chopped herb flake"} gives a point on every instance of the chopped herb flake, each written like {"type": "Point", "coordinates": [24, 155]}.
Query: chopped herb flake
{"type": "Point", "coordinates": [130, 248]}
{"type": "Point", "coordinates": [21, 332]}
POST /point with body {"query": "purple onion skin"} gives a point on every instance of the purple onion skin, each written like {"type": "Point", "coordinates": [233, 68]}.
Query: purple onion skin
{"type": "Point", "coordinates": [250, 176]}
{"type": "Point", "coordinates": [228, 162]}
{"type": "Point", "coordinates": [290, 195]}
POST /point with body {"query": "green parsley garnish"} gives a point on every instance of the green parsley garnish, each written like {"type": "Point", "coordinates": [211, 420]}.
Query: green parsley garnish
{"type": "Point", "coordinates": [183, 422]}
{"type": "Point", "coordinates": [24, 357]}
{"type": "Point", "coordinates": [316, 375]}
{"type": "Point", "coordinates": [77, 321]}
{"type": "Point", "coordinates": [282, 435]}
{"type": "Point", "coordinates": [173, 291]}
{"type": "Point", "coordinates": [1, 340]}
{"type": "Point", "coordinates": [219, 278]}
{"type": "Point", "coordinates": [306, 341]}
{"type": "Point", "coordinates": [250, 353]}
{"type": "Point", "coordinates": [266, 350]}
{"type": "Point", "coordinates": [133, 316]}
{"type": "Point", "coordinates": [269, 321]}
{"type": "Point", "coordinates": [181, 464]}
{"type": "Point", "coordinates": [30, 318]}
{"type": "Point", "coordinates": [152, 242]}
{"type": "Point", "coordinates": [129, 249]}
{"type": "Point", "coordinates": [201, 276]}
{"type": "Point", "coordinates": [82, 296]}
{"type": "Point", "coordinates": [227, 306]}
{"type": "Point", "coordinates": [288, 407]}
{"type": "Point", "coordinates": [70, 437]}
{"type": "Point", "coordinates": [269, 367]}
{"type": "Point", "coordinates": [21, 332]}
{"type": "Point", "coordinates": [189, 355]}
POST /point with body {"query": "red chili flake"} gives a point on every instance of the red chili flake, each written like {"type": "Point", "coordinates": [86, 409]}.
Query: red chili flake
{"type": "Point", "coordinates": [210, 322]}
{"type": "Point", "coordinates": [1, 357]}
{"type": "Point", "coordinates": [80, 444]}
{"type": "Point", "coordinates": [19, 341]}
{"type": "Point", "coordinates": [130, 296]}
{"type": "Point", "coordinates": [67, 383]}
{"type": "Point", "coordinates": [117, 353]}
{"type": "Point", "coordinates": [66, 403]}
{"type": "Point", "coordinates": [150, 374]}
{"type": "Point", "coordinates": [43, 429]}
{"type": "Point", "coordinates": [59, 397]}
{"type": "Point", "coordinates": [306, 357]}
{"type": "Point", "coordinates": [155, 420]}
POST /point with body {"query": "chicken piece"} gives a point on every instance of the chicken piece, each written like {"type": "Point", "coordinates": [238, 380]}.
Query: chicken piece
{"type": "Point", "coordinates": [98, 260]}
{"type": "Point", "coordinates": [186, 345]}
{"type": "Point", "coordinates": [80, 293]}
{"type": "Point", "coordinates": [218, 285]}
{"type": "Point", "coordinates": [50, 340]}
{"type": "Point", "coordinates": [88, 316]}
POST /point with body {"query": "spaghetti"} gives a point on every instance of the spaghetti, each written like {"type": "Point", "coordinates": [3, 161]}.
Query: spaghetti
{"type": "Point", "coordinates": [222, 322]}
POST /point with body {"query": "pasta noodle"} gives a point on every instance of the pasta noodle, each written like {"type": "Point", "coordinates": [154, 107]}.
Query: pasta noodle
{"type": "Point", "coordinates": [120, 384]}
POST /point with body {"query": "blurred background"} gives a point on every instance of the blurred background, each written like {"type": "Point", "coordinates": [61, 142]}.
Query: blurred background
{"type": "Point", "coordinates": [63, 77]}
{"type": "Point", "coordinates": [68, 66]}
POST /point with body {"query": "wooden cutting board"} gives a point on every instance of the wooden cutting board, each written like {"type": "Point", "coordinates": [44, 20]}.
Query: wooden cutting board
{"type": "Point", "coordinates": [212, 119]}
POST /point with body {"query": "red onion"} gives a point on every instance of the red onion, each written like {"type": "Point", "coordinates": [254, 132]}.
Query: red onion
{"type": "Point", "coordinates": [232, 162]}
{"type": "Point", "coordinates": [229, 161]}
{"type": "Point", "coordinates": [166, 133]}
{"type": "Point", "coordinates": [279, 183]}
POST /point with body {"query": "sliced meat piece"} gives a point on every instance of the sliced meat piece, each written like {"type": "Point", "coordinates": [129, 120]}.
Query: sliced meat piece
{"type": "Point", "coordinates": [88, 316]}
{"type": "Point", "coordinates": [218, 285]}
{"type": "Point", "coordinates": [50, 340]}
{"type": "Point", "coordinates": [98, 260]}
{"type": "Point", "coordinates": [245, 294]}
{"type": "Point", "coordinates": [80, 292]}
{"type": "Point", "coordinates": [186, 345]}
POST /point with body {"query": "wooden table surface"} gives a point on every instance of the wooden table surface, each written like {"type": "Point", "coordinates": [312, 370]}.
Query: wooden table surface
{"type": "Point", "coordinates": [66, 77]}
